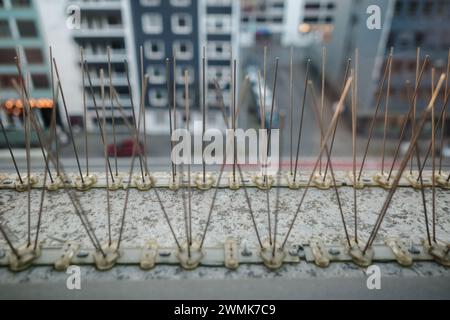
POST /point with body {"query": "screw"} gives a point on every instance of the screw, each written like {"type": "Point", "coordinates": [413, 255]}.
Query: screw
{"type": "Point", "coordinates": [83, 254]}
{"type": "Point", "coordinates": [165, 254]}
{"type": "Point", "coordinates": [297, 251]}
{"type": "Point", "coordinates": [301, 252]}
{"type": "Point", "coordinates": [414, 250]}
{"type": "Point", "coordinates": [334, 252]}
{"type": "Point", "coordinates": [294, 251]}
{"type": "Point", "coordinates": [246, 252]}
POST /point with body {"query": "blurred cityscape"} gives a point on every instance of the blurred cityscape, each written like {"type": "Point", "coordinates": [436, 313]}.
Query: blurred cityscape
{"type": "Point", "coordinates": [172, 35]}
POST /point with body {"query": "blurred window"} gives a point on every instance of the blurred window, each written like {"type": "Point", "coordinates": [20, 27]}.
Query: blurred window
{"type": "Point", "coordinates": [413, 5]}
{"type": "Point", "coordinates": [398, 7]}
{"type": "Point", "coordinates": [219, 50]}
{"type": "Point", "coordinates": [441, 7]}
{"type": "Point", "coordinates": [21, 3]}
{"type": "Point", "coordinates": [184, 49]}
{"type": "Point", "coordinates": [7, 56]}
{"type": "Point", "coordinates": [152, 23]}
{"type": "Point", "coordinates": [181, 97]}
{"type": "Point", "coordinates": [218, 2]}
{"type": "Point", "coordinates": [6, 80]}
{"type": "Point", "coordinates": [397, 66]}
{"type": "Point", "coordinates": [312, 5]}
{"type": "Point", "coordinates": [427, 8]}
{"type": "Point", "coordinates": [154, 49]}
{"type": "Point", "coordinates": [150, 3]}
{"type": "Point", "coordinates": [40, 81]}
{"type": "Point", "coordinates": [218, 23]}
{"type": "Point", "coordinates": [278, 5]}
{"type": "Point", "coordinates": [114, 20]}
{"type": "Point", "coordinates": [34, 56]}
{"type": "Point", "coordinates": [311, 19]}
{"type": "Point", "coordinates": [158, 97]}
{"type": "Point", "coordinates": [181, 23]}
{"type": "Point", "coordinates": [5, 30]}
{"type": "Point", "coordinates": [27, 28]}
{"type": "Point", "coordinates": [222, 73]}
{"type": "Point", "coordinates": [157, 74]}
{"type": "Point", "coordinates": [180, 3]}
{"type": "Point", "coordinates": [180, 74]}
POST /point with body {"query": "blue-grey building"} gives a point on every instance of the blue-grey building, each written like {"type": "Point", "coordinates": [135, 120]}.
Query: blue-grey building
{"type": "Point", "coordinates": [183, 28]}
{"type": "Point", "coordinates": [165, 28]}
{"type": "Point", "coordinates": [221, 29]}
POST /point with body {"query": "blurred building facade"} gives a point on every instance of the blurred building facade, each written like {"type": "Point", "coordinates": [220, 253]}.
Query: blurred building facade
{"type": "Point", "coordinates": [221, 38]}
{"type": "Point", "coordinates": [105, 25]}
{"type": "Point", "coordinates": [183, 29]}
{"type": "Point", "coordinates": [405, 25]}
{"type": "Point", "coordinates": [274, 20]}
{"type": "Point", "coordinates": [21, 33]}
{"type": "Point", "coordinates": [162, 28]}
{"type": "Point", "coordinates": [260, 16]}
{"type": "Point", "coordinates": [165, 29]}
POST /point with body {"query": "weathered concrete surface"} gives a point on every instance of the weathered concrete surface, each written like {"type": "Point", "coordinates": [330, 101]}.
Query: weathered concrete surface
{"type": "Point", "coordinates": [319, 217]}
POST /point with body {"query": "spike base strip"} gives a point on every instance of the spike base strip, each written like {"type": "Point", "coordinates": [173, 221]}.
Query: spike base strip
{"type": "Point", "coordinates": [216, 256]}
{"type": "Point", "coordinates": [26, 256]}
{"type": "Point", "coordinates": [22, 187]}
{"type": "Point", "coordinates": [209, 182]}
{"type": "Point", "coordinates": [321, 182]}
{"type": "Point", "coordinates": [273, 260]}
{"type": "Point", "coordinates": [252, 180]}
{"type": "Point", "coordinates": [382, 180]}
{"type": "Point", "coordinates": [234, 183]}
{"type": "Point", "coordinates": [108, 261]}
{"type": "Point", "coordinates": [69, 251]}
{"type": "Point", "coordinates": [321, 255]}
{"type": "Point", "coordinates": [87, 183]}
{"type": "Point", "coordinates": [381, 253]}
{"type": "Point", "coordinates": [148, 255]}
{"type": "Point", "coordinates": [414, 180]}
{"type": "Point", "coordinates": [263, 184]}
{"type": "Point", "coordinates": [441, 180]}
{"type": "Point", "coordinates": [399, 249]}
{"type": "Point", "coordinates": [174, 182]}
{"type": "Point", "coordinates": [440, 252]}
{"type": "Point", "coordinates": [293, 184]}
{"type": "Point", "coordinates": [360, 258]}
{"type": "Point", "coordinates": [147, 184]}
{"type": "Point", "coordinates": [191, 257]}
{"type": "Point", "coordinates": [117, 184]}
{"type": "Point", "coordinates": [359, 184]}
{"type": "Point", "coordinates": [57, 184]}
{"type": "Point", "coordinates": [231, 255]}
